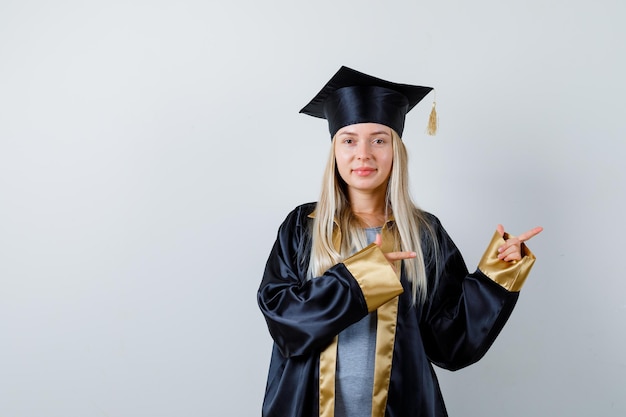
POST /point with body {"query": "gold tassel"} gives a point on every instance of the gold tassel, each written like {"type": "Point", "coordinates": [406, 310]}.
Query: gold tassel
{"type": "Point", "coordinates": [432, 121]}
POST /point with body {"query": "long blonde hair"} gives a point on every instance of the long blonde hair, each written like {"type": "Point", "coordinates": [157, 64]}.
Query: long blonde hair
{"type": "Point", "coordinates": [409, 226]}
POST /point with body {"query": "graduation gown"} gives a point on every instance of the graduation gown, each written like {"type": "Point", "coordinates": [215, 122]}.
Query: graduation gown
{"type": "Point", "coordinates": [454, 328]}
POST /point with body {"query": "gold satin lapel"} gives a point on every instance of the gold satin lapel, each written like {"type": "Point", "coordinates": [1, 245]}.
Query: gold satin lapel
{"type": "Point", "coordinates": [337, 238]}
{"type": "Point", "coordinates": [385, 339]}
{"type": "Point", "coordinates": [389, 245]}
{"type": "Point", "coordinates": [328, 366]}
{"type": "Point", "coordinates": [328, 361]}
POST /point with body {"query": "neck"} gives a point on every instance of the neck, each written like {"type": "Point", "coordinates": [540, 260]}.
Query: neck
{"type": "Point", "coordinates": [370, 209]}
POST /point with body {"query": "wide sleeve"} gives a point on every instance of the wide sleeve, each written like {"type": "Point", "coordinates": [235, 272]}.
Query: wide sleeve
{"type": "Point", "coordinates": [466, 311]}
{"type": "Point", "coordinates": [306, 314]}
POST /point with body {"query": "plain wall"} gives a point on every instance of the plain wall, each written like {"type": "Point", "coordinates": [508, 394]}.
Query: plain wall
{"type": "Point", "coordinates": [150, 149]}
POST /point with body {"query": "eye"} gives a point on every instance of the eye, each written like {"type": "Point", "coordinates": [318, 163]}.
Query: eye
{"type": "Point", "coordinates": [348, 141]}
{"type": "Point", "coordinates": [378, 141]}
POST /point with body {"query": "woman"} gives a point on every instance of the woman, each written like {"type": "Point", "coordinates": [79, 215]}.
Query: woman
{"type": "Point", "coordinates": [362, 291]}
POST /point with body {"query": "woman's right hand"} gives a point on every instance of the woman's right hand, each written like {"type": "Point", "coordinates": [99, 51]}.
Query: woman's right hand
{"type": "Point", "coordinates": [393, 256]}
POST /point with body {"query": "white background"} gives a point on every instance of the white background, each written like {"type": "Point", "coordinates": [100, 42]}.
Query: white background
{"type": "Point", "coordinates": [150, 149]}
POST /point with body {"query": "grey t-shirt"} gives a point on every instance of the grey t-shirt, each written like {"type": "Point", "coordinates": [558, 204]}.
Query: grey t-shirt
{"type": "Point", "coordinates": [356, 351]}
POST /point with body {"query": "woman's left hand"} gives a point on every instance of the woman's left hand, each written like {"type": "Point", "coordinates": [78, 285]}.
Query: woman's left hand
{"type": "Point", "coordinates": [512, 248]}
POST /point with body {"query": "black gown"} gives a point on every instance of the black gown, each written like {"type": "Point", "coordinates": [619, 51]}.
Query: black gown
{"type": "Point", "coordinates": [454, 328]}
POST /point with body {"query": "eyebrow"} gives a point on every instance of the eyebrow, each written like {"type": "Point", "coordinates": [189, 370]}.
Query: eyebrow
{"type": "Point", "coordinates": [378, 132]}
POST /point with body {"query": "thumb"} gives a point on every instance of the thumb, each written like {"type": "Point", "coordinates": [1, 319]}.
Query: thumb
{"type": "Point", "coordinates": [500, 229]}
{"type": "Point", "coordinates": [378, 240]}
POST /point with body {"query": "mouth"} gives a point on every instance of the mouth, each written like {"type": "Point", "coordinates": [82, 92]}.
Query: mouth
{"type": "Point", "coordinates": [363, 171]}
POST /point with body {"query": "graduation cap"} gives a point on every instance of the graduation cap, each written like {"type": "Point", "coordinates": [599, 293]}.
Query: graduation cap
{"type": "Point", "coordinates": [351, 97]}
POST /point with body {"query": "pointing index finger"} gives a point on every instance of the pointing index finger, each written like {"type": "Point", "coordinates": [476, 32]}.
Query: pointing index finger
{"type": "Point", "coordinates": [529, 234]}
{"type": "Point", "coordinates": [398, 256]}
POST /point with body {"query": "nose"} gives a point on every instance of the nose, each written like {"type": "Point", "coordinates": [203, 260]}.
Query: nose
{"type": "Point", "coordinates": [363, 150]}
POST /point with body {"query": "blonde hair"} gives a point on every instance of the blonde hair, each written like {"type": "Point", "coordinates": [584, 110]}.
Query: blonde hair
{"type": "Point", "coordinates": [410, 228]}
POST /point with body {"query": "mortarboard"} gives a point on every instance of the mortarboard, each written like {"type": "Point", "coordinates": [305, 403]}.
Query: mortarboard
{"type": "Point", "coordinates": [351, 97]}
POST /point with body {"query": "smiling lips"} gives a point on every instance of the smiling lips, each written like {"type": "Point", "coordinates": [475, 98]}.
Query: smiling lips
{"type": "Point", "coordinates": [363, 171]}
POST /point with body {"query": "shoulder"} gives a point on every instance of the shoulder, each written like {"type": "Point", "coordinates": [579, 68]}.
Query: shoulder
{"type": "Point", "coordinates": [303, 210]}
{"type": "Point", "coordinates": [306, 209]}
{"type": "Point", "coordinates": [429, 221]}
{"type": "Point", "coordinates": [428, 217]}
{"type": "Point", "coordinates": [299, 216]}
{"type": "Point", "coordinates": [433, 233]}
{"type": "Point", "coordinates": [294, 232]}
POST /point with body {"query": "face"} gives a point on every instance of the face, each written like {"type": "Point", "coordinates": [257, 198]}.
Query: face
{"type": "Point", "coordinates": [364, 156]}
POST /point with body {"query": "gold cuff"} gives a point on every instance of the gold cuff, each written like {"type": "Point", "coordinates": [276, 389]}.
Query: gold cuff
{"type": "Point", "coordinates": [510, 275]}
{"type": "Point", "coordinates": [375, 276]}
